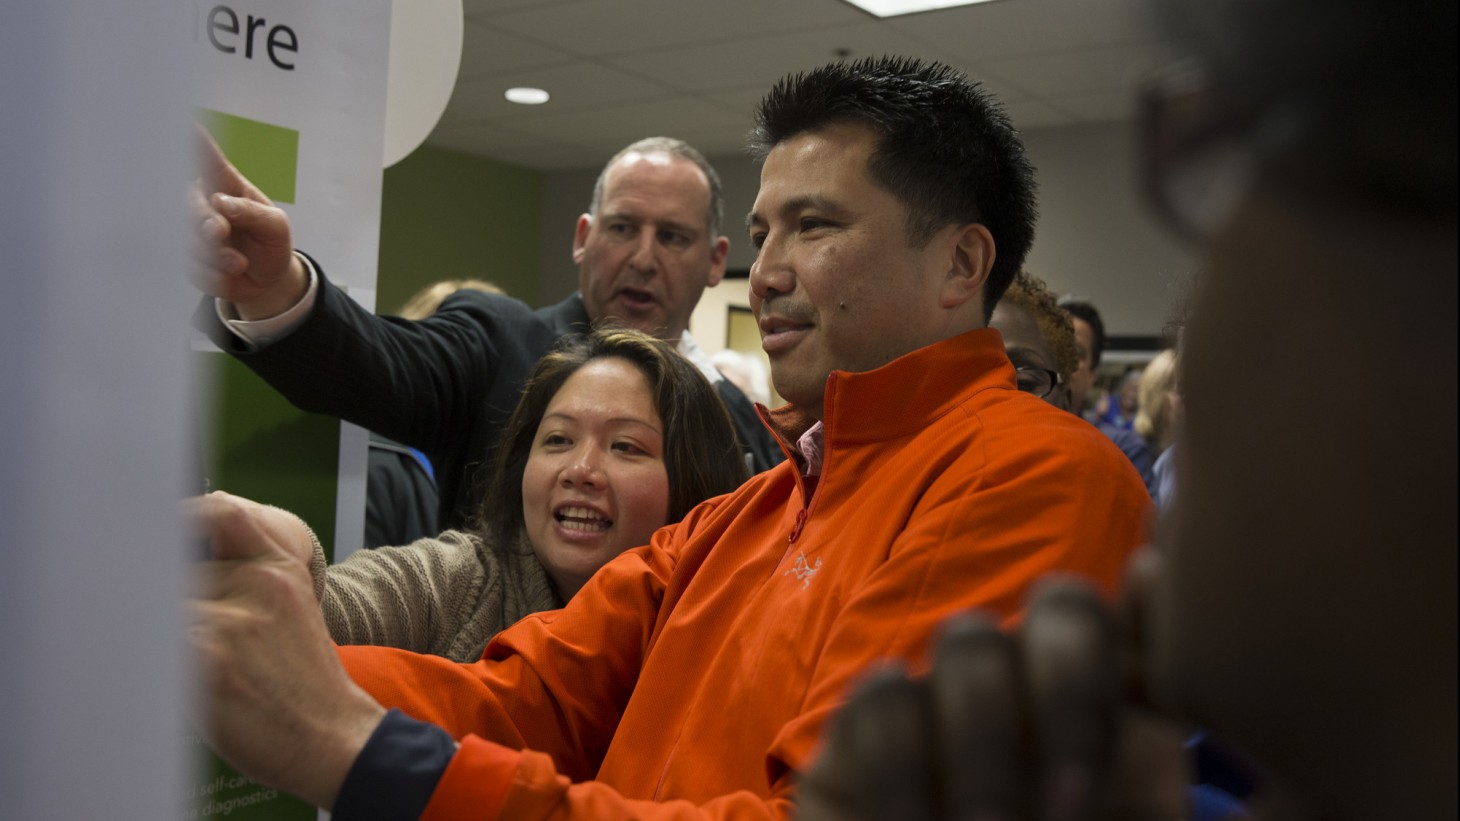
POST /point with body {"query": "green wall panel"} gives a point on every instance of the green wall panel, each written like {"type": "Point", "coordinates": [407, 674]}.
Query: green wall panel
{"type": "Point", "coordinates": [448, 215]}
{"type": "Point", "coordinates": [268, 155]}
{"type": "Point", "coordinates": [269, 451]}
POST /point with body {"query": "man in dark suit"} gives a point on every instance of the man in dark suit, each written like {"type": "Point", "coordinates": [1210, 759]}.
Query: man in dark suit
{"type": "Point", "coordinates": [646, 250]}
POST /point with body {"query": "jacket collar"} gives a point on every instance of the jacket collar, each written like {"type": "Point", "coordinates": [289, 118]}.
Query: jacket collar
{"type": "Point", "coordinates": [568, 316]}
{"type": "Point", "coordinates": [905, 395]}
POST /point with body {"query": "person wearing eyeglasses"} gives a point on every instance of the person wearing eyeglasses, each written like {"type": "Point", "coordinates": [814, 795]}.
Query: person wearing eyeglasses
{"type": "Point", "coordinates": [1042, 344]}
{"type": "Point", "coordinates": [1302, 602]}
{"type": "Point", "coordinates": [1038, 340]}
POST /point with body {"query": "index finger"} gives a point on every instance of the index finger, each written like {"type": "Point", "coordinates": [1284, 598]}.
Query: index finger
{"type": "Point", "coordinates": [1072, 663]}
{"type": "Point", "coordinates": [876, 760]}
{"type": "Point", "coordinates": [976, 690]}
{"type": "Point", "coordinates": [218, 174]}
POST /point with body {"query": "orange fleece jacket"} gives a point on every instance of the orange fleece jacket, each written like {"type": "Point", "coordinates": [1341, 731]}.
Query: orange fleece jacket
{"type": "Point", "coordinates": [690, 678]}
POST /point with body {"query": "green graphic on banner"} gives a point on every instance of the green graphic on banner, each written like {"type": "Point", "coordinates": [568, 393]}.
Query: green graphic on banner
{"type": "Point", "coordinates": [223, 793]}
{"type": "Point", "coordinates": [268, 155]}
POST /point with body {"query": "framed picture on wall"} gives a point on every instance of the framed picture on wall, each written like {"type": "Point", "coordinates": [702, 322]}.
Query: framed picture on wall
{"type": "Point", "coordinates": [743, 361]}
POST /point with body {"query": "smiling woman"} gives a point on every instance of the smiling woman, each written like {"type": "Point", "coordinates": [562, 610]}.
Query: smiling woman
{"type": "Point", "coordinates": [615, 436]}
{"type": "Point", "coordinates": [595, 483]}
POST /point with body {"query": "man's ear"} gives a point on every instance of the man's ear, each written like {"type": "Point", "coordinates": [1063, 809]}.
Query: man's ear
{"type": "Point", "coordinates": [971, 258]}
{"type": "Point", "coordinates": [580, 237]}
{"type": "Point", "coordinates": [719, 253]}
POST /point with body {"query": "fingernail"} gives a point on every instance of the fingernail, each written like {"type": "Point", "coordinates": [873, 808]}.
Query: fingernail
{"type": "Point", "coordinates": [226, 204]}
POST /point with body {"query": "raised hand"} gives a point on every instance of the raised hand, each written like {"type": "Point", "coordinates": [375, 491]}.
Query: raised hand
{"type": "Point", "coordinates": [1004, 728]}
{"type": "Point", "coordinates": [245, 253]}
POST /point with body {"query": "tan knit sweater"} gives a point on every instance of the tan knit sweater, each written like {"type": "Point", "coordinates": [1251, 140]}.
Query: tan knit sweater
{"type": "Point", "coordinates": [447, 596]}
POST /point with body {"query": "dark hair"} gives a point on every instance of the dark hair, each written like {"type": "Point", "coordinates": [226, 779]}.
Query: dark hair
{"type": "Point", "coordinates": [701, 455]}
{"type": "Point", "coordinates": [681, 150]}
{"type": "Point", "coordinates": [945, 149]}
{"type": "Point", "coordinates": [1080, 309]}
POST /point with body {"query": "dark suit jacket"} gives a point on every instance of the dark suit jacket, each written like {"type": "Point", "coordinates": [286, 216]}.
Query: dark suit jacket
{"type": "Point", "coordinates": [401, 502]}
{"type": "Point", "coordinates": [444, 385]}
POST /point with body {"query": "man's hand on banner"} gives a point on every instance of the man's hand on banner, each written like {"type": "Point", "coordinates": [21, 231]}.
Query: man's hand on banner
{"type": "Point", "coordinates": [245, 253]}
{"type": "Point", "coordinates": [277, 704]}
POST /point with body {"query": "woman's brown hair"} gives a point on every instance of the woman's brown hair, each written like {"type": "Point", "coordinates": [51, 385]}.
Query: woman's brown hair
{"type": "Point", "coordinates": [701, 454]}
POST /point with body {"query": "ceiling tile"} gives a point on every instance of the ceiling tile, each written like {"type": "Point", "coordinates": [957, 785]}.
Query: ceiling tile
{"type": "Point", "coordinates": [760, 61]}
{"type": "Point", "coordinates": [605, 27]}
{"type": "Point", "coordinates": [491, 8]}
{"type": "Point", "coordinates": [621, 69]}
{"type": "Point", "coordinates": [1011, 27]}
{"type": "Point", "coordinates": [572, 86]}
{"type": "Point", "coordinates": [671, 116]}
{"type": "Point", "coordinates": [487, 51]}
{"type": "Point", "coordinates": [1107, 69]}
{"type": "Point", "coordinates": [480, 138]}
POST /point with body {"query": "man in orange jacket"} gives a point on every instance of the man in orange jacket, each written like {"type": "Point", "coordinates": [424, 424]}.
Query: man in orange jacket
{"type": "Point", "coordinates": [691, 677]}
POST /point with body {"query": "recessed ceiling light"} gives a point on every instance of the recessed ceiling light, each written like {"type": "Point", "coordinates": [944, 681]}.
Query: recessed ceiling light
{"type": "Point", "coordinates": [527, 96]}
{"type": "Point", "coordinates": [893, 8]}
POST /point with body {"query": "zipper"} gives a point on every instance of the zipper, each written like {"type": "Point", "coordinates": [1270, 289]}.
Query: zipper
{"type": "Point", "coordinates": [796, 528]}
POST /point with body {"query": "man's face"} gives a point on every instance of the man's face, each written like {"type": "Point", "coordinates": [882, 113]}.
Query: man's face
{"type": "Point", "coordinates": [1084, 375]}
{"type": "Point", "coordinates": [1026, 347]}
{"type": "Point", "coordinates": [646, 257]}
{"type": "Point", "coordinates": [835, 285]}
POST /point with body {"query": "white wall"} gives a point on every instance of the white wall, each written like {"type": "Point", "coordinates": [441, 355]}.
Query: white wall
{"type": "Point", "coordinates": [93, 409]}
{"type": "Point", "coordinates": [1094, 237]}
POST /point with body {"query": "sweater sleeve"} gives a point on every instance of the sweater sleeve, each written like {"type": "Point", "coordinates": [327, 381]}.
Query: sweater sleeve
{"type": "Point", "coordinates": [413, 597]}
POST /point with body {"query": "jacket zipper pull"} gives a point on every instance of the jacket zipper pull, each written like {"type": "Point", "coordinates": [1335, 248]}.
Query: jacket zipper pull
{"type": "Point", "coordinates": [800, 523]}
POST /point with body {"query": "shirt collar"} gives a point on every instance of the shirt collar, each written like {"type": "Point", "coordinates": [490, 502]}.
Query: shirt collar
{"type": "Point", "coordinates": [811, 446]}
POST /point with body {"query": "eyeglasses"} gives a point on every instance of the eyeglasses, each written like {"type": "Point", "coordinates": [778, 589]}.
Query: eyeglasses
{"type": "Point", "coordinates": [1038, 381]}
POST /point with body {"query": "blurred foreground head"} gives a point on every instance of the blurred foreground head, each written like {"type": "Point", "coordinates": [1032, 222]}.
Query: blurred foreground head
{"type": "Point", "coordinates": [1306, 606]}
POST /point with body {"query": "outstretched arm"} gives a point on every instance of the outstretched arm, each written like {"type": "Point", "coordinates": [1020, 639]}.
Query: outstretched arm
{"type": "Point", "coordinates": [245, 252]}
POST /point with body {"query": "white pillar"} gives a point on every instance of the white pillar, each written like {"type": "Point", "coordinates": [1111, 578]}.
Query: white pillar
{"type": "Point", "coordinates": [95, 417]}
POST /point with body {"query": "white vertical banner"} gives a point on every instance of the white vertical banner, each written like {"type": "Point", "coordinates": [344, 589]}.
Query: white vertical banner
{"type": "Point", "coordinates": [93, 408]}
{"type": "Point", "coordinates": [316, 68]}
{"type": "Point", "coordinates": [296, 94]}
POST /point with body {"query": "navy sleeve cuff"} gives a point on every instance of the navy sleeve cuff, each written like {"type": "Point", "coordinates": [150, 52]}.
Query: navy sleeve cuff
{"type": "Point", "coordinates": [395, 774]}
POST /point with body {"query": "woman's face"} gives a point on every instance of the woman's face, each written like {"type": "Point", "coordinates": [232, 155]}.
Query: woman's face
{"type": "Point", "coordinates": [595, 483]}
